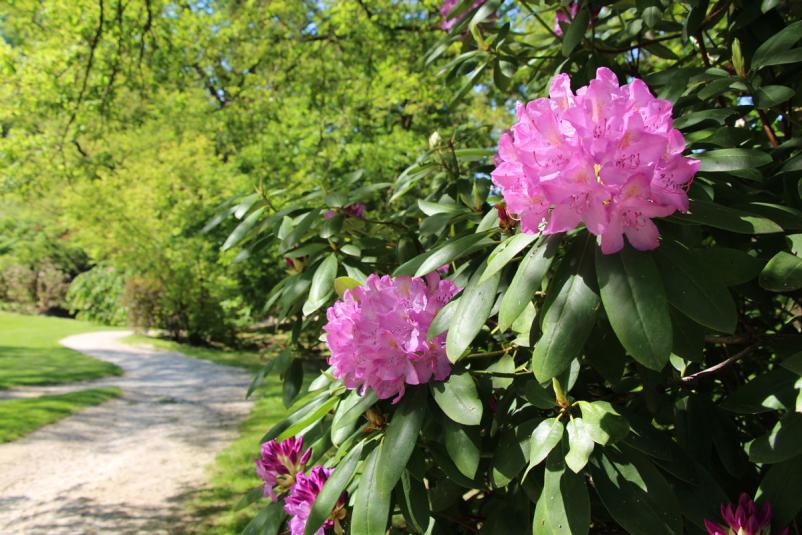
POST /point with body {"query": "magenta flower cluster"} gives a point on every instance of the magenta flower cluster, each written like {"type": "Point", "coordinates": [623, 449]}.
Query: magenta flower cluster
{"type": "Point", "coordinates": [303, 495]}
{"type": "Point", "coordinates": [281, 466]}
{"type": "Point", "coordinates": [352, 210]}
{"type": "Point", "coordinates": [377, 334]}
{"type": "Point", "coordinates": [606, 157]}
{"type": "Point", "coordinates": [448, 6]}
{"type": "Point", "coordinates": [279, 463]}
{"type": "Point", "coordinates": [747, 518]}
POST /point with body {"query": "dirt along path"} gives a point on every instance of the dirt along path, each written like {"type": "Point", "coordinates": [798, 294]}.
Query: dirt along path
{"type": "Point", "coordinates": [123, 467]}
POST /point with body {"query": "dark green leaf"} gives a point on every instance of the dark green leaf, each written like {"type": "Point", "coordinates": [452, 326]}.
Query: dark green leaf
{"type": "Point", "coordinates": [780, 486]}
{"type": "Point", "coordinates": [723, 160]}
{"type": "Point", "coordinates": [267, 522]}
{"type": "Point", "coordinates": [506, 251]}
{"type": "Point", "coordinates": [718, 216]}
{"type": "Point", "coordinates": [447, 253]}
{"type": "Point", "coordinates": [322, 285]}
{"type": "Point", "coordinates": [462, 445]}
{"type": "Point", "coordinates": [443, 319]}
{"type": "Point", "coordinates": [732, 266]}
{"type": "Point", "coordinates": [636, 494]}
{"type": "Point", "coordinates": [564, 504]}
{"type": "Point", "coordinates": [783, 442]}
{"type": "Point", "coordinates": [783, 273]}
{"type": "Point", "coordinates": [458, 399]}
{"type": "Point", "coordinates": [239, 233]}
{"type": "Point", "coordinates": [371, 507]}
{"type": "Point", "coordinates": [602, 422]}
{"type": "Point", "coordinates": [413, 499]}
{"type": "Point", "coordinates": [293, 379]}
{"type": "Point", "coordinates": [569, 313]}
{"type": "Point", "coordinates": [776, 44]}
{"type": "Point", "coordinates": [576, 31]}
{"type": "Point", "coordinates": [472, 311]}
{"type": "Point", "coordinates": [349, 411]}
{"type": "Point", "coordinates": [545, 437]}
{"type": "Point", "coordinates": [769, 96]}
{"type": "Point", "coordinates": [332, 490]}
{"type": "Point", "coordinates": [580, 445]}
{"type": "Point", "coordinates": [636, 306]}
{"type": "Point", "coordinates": [527, 279]}
{"type": "Point", "coordinates": [695, 291]}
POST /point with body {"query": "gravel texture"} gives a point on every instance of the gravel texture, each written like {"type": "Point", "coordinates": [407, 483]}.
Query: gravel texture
{"type": "Point", "coordinates": [125, 466]}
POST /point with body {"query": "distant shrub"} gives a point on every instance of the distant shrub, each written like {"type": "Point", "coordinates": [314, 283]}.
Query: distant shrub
{"type": "Point", "coordinates": [96, 295]}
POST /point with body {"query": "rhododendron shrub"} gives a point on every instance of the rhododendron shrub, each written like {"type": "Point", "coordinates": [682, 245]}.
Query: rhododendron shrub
{"type": "Point", "coordinates": [579, 314]}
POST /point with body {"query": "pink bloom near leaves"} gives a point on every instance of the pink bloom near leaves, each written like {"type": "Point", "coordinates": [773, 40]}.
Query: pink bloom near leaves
{"type": "Point", "coordinates": [448, 6]}
{"type": "Point", "coordinates": [747, 518]}
{"type": "Point", "coordinates": [377, 334]}
{"type": "Point", "coordinates": [279, 462]}
{"type": "Point", "coordinates": [561, 17]}
{"type": "Point", "coordinates": [606, 157]}
{"type": "Point", "coordinates": [299, 502]}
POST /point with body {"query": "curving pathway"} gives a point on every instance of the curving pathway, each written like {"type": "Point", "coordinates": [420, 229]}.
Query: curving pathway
{"type": "Point", "coordinates": [123, 467]}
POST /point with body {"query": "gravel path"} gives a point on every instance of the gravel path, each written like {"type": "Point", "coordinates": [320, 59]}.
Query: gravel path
{"type": "Point", "coordinates": [123, 467]}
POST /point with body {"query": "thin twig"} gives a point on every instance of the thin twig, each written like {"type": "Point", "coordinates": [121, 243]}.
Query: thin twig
{"type": "Point", "coordinates": [720, 366]}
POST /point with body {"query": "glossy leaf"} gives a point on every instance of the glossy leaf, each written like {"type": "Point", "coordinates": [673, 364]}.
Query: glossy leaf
{"type": "Point", "coordinates": [569, 313]}
{"type": "Point", "coordinates": [783, 442]}
{"type": "Point", "coordinates": [545, 438]}
{"type": "Point", "coordinates": [472, 311]}
{"type": "Point", "coordinates": [332, 490]}
{"type": "Point", "coordinates": [636, 305]}
{"type": "Point", "coordinates": [602, 421]}
{"type": "Point", "coordinates": [462, 445]}
{"type": "Point", "coordinates": [527, 280]}
{"type": "Point", "coordinates": [725, 218]}
{"type": "Point", "coordinates": [371, 507]}
{"type": "Point", "coordinates": [723, 160]}
{"type": "Point", "coordinates": [564, 504]}
{"type": "Point", "coordinates": [505, 252]}
{"type": "Point", "coordinates": [322, 285]}
{"type": "Point", "coordinates": [767, 53]}
{"type": "Point", "coordinates": [458, 399]}
{"type": "Point", "coordinates": [448, 253]}
{"type": "Point", "coordinates": [783, 273]}
{"type": "Point", "coordinates": [580, 445]}
{"type": "Point", "coordinates": [695, 291]}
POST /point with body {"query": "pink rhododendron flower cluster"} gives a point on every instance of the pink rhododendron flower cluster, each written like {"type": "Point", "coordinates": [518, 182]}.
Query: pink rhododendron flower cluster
{"type": "Point", "coordinates": [278, 464]}
{"type": "Point", "coordinates": [302, 497]}
{"type": "Point", "coordinates": [352, 210]}
{"type": "Point", "coordinates": [607, 157]}
{"type": "Point", "coordinates": [745, 519]}
{"type": "Point", "coordinates": [448, 6]}
{"type": "Point", "coordinates": [377, 334]}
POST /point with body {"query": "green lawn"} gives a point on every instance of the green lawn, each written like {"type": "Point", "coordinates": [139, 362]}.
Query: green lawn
{"type": "Point", "coordinates": [19, 417]}
{"type": "Point", "coordinates": [210, 510]}
{"type": "Point", "coordinates": [30, 353]}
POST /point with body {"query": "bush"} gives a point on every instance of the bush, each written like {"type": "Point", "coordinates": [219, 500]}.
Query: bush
{"type": "Point", "coordinates": [96, 295]}
{"type": "Point", "coordinates": [623, 384]}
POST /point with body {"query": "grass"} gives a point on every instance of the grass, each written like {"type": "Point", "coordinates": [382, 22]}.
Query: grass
{"type": "Point", "coordinates": [19, 417]}
{"type": "Point", "coordinates": [210, 510]}
{"type": "Point", "coordinates": [232, 475]}
{"type": "Point", "coordinates": [30, 353]}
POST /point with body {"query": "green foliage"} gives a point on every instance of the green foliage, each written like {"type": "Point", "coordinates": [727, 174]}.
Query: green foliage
{"type": "Point", "coordinates": [634, 392]}
{"type": "Point", "coordinates": [18, 417]}
{"type": "Point", "coordinates": [31, 355]}
{"type": "Point", "coordinates": [96, 296]}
